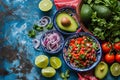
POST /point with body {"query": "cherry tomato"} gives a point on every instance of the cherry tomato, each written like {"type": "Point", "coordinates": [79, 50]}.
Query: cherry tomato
{"type": "Point", "coordinates": [106, 47]}
{"type": "Point", "coordinates": [117, 46]}
{"type": "Point", "coordinates": [117, 57]}
{"type": "Point", "coordinates": [109, 58]}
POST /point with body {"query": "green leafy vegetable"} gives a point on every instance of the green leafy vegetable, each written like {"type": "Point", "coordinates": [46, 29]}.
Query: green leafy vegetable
{"type": "Point", "coordinates": [32, 33]}
{"type": "Point", "coordinates": [65, 75]}
{"type": "Point", "coordinates": [37, 28]}
{"type": "Point", "coordinates": [106, 28]}
{"type": "Point", "coordinates": [49, 26]}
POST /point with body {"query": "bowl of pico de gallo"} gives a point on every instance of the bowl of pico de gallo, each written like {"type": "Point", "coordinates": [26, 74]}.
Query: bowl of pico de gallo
{"type": "Point", "coordinates": [82, 52]}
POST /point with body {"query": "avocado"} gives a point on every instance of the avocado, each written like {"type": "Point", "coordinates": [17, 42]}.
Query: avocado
{"type": "Point", "coordinates": [86, 13]}
{"type": "Point", "coordinates": [102, 11]}
{"type": "Point", "coordinates": [101, 70]}
{"type": "Point", "coordinates": [66, 22]}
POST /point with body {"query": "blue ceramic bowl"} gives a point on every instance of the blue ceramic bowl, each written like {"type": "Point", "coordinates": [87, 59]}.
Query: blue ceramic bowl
{"type": "Point", "coordinates": [71, 12]}
{"type": "Point", "coordinates": [99, 52]}
{"type": "Point", "coordinates": [60, 45]}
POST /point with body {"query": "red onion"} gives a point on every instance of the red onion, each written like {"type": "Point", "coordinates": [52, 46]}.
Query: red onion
{"type": "Point", "coordinates": [51, 41]}
{"type": "Point", "coordinates": [36, 43]}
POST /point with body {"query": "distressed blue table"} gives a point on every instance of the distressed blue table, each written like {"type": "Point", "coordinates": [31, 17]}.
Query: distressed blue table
{"type": "Point", "coordinates": [17, 54]}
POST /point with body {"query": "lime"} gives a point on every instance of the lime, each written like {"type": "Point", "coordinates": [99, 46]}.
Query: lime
{"type": "Point", "coordinates": [41, 61]}
{"type": "Point", "coordinates": [115, 69]}
{"type": "Point", "coordinates": [45, 5]}
{"type": "Point", "coordinates": [55, 62]}
{"type": "Point", "coordinates": [48, 72]}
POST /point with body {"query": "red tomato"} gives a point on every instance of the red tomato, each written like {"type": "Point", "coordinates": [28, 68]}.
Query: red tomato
{"type": "Point", "coordinates": [117, 57]}
{"type": "Point", "coordinates": [109, 58]}
{"type": "Point", "coordinates": [79, 40]}
{"type": "Point", "coordinates": [106, 47]}
{"type": "Point", "coordinates": [72, 41]}
{"type": "Point", "coordinates": [117, 46]}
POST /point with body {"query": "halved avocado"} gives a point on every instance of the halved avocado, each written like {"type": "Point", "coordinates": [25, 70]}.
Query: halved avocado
{"type": "Point", "coordinates": [66, 22]}
{"type": "Point", "coordinates": [101, 70]}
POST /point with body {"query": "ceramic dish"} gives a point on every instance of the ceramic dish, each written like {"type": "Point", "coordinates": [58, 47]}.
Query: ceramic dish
{"type": "Point", "coordinates": [72, 13]}
{"type": "Point", "coordinates": [52, 42]}
{"type": "Point", "coordinates": [98, 51]}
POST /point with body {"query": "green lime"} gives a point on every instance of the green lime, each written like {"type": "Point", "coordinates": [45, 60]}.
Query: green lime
{"type": "Point", "coordinates": [45, 5]}
{"type": "Point", "coordinates": [48, 72]}
{"type": "Point", "coordinates": [55, 62]}
{"type": "Point", "coordinates": [115, 69]}
{"type": "Point", "coordinates": [41, 61]}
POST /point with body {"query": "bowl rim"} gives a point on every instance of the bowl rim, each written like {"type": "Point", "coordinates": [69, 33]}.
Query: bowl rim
{"type": "Point", "coordinates": [79, 19]}
{"type": "Point", "coordinates": [94, 64]}
{"type": "Point", "coordinates": [55, 24]}
{"type": "Point", "coordinates": [59, 49]}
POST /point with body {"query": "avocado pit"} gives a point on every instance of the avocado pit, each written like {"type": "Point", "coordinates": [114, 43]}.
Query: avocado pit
{"type": "Point", "coordinates": [65, 22]}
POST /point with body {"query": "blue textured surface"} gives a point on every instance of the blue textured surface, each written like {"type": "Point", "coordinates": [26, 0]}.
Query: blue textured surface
{"type": "Point", "coordinates": [16, 19]}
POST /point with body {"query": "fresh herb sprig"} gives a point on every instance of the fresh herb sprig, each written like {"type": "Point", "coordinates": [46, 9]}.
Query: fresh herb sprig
{"type": "Point", "coordinates": [106, 29]}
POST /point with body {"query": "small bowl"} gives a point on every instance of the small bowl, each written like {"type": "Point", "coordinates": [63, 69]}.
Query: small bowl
{"type": "Point", "coordinates": [61, 42]}
{"type": "Point", "coordinates": [98, 52]}
{"type": "Point", "coordinates": [71, 12]}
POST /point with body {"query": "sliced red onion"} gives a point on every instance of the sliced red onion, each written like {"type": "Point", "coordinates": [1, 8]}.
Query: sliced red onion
{"type": "Point", "coordinates": [44, 21]}
{"type": "Point", "coordinates": [36, 43]}
{"type": "Point", "coordinates": [51, 41]}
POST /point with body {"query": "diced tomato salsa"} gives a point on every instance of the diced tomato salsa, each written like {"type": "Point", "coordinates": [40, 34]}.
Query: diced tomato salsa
{"type": "Point", "coordinates": [81, 52]}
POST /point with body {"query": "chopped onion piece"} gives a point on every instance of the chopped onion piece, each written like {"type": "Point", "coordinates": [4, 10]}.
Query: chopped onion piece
{"type": "Point", "coordinates": [36, 43]}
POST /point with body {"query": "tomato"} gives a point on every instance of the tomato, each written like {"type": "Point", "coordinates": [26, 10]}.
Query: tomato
{"type": "Point", "coordinates": [72, 41]}
{"type": "Point", "coordinates": [117, 57]}
{"type": "Point", "coordinates": [106, 47]}
{"type": "Point", "coordinates": [109, 58]}
{"type": "Point", "coordinates": [117, 46]}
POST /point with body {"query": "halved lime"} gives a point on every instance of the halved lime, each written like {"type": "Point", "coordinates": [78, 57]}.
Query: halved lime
{"type": "Point", "coordinates": [55, 62]}
{"type": "Point", "coordinates": [48, 72]}
{"type": "Point", "coordinates": [45, 5]}
{"type": "Point", "coordinates": [115, 69]}
{"type": "Point", "coordinates": [41, 61]}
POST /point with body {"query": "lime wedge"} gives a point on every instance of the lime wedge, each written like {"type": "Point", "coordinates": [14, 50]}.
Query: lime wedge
{"type": "Point", "coordinates": [41, 61]}
{"type": "Point", "coordinates": [45, 5]}
{"type": "Point", "coordinates": [55, 62]}
{"type": "Point", "coordinates": [48, 72]}
{"type": "Point", "coordinates": [115, 69]}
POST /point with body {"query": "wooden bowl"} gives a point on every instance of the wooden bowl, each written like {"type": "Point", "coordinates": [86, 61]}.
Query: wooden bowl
{"type": "Point", "coordinates": [78, 8]}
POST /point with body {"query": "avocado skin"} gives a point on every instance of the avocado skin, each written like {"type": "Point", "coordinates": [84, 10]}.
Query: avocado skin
{"type": "Point", "coordinates": [71, 28]}
{"type": "Point", "coordinates": [102, 11]}
{"type": "Point", "coordinates": [86, 13]}
{"type": "Point", "coordinates": [101, 74]}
